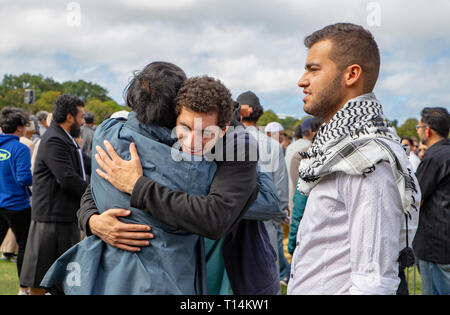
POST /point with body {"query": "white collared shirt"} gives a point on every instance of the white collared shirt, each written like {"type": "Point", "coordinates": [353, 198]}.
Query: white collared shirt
{"type": "Point", "coordinates": [80, 154]}
{"type": "Point", "coordinates": [350, 236]}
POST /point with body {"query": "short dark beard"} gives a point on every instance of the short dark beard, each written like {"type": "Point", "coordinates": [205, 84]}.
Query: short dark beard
{"type": "Point", "coordinates": [328, 99]}
{"type": "Point", "coordinates": [75, 130]}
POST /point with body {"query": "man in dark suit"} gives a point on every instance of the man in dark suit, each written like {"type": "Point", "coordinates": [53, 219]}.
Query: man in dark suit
{"type": "Point", "coordinates": [59, 181]}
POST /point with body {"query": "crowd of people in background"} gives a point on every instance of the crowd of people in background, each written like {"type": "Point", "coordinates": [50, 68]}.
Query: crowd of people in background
{"type": "Point", "coordinates": [324, 194]}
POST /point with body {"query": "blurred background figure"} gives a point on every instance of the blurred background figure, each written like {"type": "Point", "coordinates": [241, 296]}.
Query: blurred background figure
{"type": "Point", "coordinates": [15, 179]}
{"type": "Point", "coordinates": [87, 133]}
{"type": "Point", "coordinates": [413, 158]}
{"type": "Point", "coordinates": [42, 122]}
{"type": "Point", "coordinates": [274, 130]}
{"type": "Point", "coordinates": [26, 139]}
{"type": "Point", "coordinates": [432, 241]}
{"type": "Point", "coordinates": [421, 150]}
{"type": "Point", "coordinates": [271, 161]}
{"type": "Point", "coordinates": [297, 201]}
{"type": "Point", "coordinates": [285, 141]}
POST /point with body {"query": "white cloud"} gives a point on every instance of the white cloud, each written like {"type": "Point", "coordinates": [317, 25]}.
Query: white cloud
{"type": "Point", "coordinates": [248, 44]}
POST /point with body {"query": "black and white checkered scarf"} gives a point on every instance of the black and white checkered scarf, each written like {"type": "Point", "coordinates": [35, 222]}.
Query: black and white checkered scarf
{"type": "Point", "coordinates": [352, 142]}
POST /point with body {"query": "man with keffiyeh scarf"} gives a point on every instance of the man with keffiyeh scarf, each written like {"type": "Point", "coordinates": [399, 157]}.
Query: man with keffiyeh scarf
{"type": "Point", "coordinates": [361, 187]}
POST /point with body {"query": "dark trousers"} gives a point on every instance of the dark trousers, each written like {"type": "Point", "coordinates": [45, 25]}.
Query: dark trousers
{"type": "Point", "coordinates": [19, 222]}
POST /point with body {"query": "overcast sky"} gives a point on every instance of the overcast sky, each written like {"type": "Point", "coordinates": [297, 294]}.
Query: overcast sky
{"type": "Point", "coordinates": [248, 44]}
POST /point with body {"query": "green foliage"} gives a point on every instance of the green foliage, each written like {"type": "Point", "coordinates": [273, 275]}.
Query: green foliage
{"type": "Point", "coordinates": [85, 90]}
{"type": "Point", "coordinates": [28, 81]}
{"type": "Point", "coordinates": [14, 98]}
{"type": "Point", "coordinates": [45, 102]}
{"type": "Point", "coordinates": [102, 109]}
{"type": "Point", "coordinates": [267, 117]}
{"type": "Point", "coordinates": [288, 123]}
{"type": "Point", "coordinates": [408, 129]}
{"type": "Point", "coordinates": [12, 89]}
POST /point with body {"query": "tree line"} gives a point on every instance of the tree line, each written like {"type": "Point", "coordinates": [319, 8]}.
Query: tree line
{"type": "Point", "coordinates": [46, 90]}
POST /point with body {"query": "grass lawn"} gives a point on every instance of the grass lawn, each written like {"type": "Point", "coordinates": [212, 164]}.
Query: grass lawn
{"type": "Point", "coordinates": [9, 282]}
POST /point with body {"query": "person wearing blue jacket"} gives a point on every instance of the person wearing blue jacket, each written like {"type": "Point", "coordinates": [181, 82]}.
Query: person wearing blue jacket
{"type": "Point", "coordinates": [15, 178]}
{"type": "Point", "coordinates": [175, 262]}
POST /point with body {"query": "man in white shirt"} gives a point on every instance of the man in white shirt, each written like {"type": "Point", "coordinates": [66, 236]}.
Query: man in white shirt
{"type": "Point", "coordinates": [357, 175]}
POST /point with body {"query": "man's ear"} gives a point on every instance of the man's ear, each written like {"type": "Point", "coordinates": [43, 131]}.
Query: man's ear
{"type": "Point", "coordinates": [353, 75]}
{"type": "Point", "coordinates": [70, 118]}
{"type": "Point", "coordinates": [428, 131]}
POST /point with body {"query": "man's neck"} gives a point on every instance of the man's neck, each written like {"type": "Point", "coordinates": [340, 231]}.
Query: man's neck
{"type": "Point", "coordinates": [434, 140]}
{"type": "Point", "coordinates": [17, 134]}
{"type": "Point", "coordinates": [249, 123]}
{"type": "Point", "coordinates": [65, 126]}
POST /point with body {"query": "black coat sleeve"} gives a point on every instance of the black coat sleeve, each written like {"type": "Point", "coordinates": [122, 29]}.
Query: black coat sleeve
{"type": "Point", "coordinates": [232, 192]}
{"type": "Point", "coordinates": [87, 209]}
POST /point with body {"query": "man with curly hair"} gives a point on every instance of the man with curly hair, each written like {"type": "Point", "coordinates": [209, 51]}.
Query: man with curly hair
{"type": "Point", "coordinates": [201, 101]}
{"type": "Point", "coordinates": [204, 109]}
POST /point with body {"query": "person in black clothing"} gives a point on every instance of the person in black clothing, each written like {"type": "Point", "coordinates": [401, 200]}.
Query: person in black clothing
{"type": "Point", "coordinates": [59, 181]}
{"type": "Point", "coordinates": [216, 215]}
{"type": "Point", "coordinates": [432, 241]}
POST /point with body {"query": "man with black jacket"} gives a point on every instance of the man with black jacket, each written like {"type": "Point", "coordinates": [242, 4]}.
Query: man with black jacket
{"type": "Point", "coordinates": [216, 215]}
{"type": "Point", "coordinates": [432, 241]}
{"type": "Point", "coordinates": [59, 181]}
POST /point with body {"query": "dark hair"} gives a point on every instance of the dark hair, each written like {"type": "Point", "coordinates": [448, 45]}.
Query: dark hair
{"type": "Point", "coordinates": [298, 132]}
{"type": "Point", "coordinates": [11, 118]}
{"type": "Point", "coordinates": [89, 118]}
{"type": "Point", "coordinates": [41, 115]}
{"type": "Point", "coordinates": [152, 91]}
{"type": "Point", "coordinates": [316, 123]}
{"type": "Point", "coordinates": [409, 139]}
{"type": "Point", "coordinates": [438, 119]}
{"type": "Point", "coordinates": [206, 95]}
{"type": "Point", "coordinates": [352, 44]}
{"type": "Point", "coordinates": [66, 104]}
{"type": "Point", "coordinates": [257, 112]}
{"type": "Point", "coordinates": [249, 98]}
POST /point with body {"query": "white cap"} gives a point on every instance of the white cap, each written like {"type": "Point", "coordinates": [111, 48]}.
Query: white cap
{"type": "Point", "coordinates": [120, 114]}
{"type": "Point", "coordinates": [274, 127]}
{"type": "Point", "coordinates": [30, 126]}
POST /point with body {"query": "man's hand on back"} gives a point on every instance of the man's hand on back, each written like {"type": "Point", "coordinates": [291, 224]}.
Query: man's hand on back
{"type": "Point", "coordinates": [129, 237]}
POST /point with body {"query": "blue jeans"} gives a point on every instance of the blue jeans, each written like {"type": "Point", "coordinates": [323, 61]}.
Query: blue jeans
{"type": "Point", "coordinates": [435, 278]}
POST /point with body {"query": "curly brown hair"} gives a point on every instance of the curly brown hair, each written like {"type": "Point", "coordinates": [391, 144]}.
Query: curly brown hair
{"type": "Point", "coordinates": [206, 95]}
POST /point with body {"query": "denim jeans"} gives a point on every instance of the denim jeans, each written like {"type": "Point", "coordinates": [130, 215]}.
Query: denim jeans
{"type": "Point", "coordinates": [435, 278]}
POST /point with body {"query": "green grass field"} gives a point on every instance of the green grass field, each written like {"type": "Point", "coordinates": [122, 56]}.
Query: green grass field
{"type": "Point", "coordinates": [9, 282]}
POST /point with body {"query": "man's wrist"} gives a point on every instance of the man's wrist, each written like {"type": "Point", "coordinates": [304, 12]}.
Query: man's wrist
{"type": "Point", "coordinates": [91, 223]}
{"type": "Point", "coordinates": [139, 190]}
{"type": "Point", "coordinates": [132, 184]}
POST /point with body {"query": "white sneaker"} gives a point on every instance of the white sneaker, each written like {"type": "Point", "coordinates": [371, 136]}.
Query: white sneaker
{"type": "Point", "coordinates": [27, 292]}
